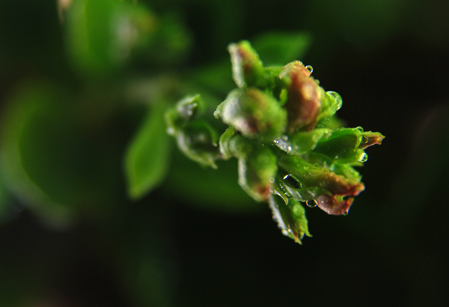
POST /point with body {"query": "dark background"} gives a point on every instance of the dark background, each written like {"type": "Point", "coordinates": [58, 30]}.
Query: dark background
{"type": "Point", "coordinates": [176, 246]}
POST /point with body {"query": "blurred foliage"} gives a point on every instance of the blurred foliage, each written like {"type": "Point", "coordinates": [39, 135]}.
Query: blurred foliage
{"type": "Point", "coordinates": [80, 78]}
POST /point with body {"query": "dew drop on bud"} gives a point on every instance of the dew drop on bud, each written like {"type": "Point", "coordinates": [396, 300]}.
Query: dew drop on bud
{"type": "Point", "coordinates": [292, 181]}
{"type": "Point", "coordinates": [309, 68]}
{"type": "Point", "coordinates": [312, 203]}
{"type": "Point", "coordinates": [364, 157]}
{"type": "Point", "coordinates": [338, 99]}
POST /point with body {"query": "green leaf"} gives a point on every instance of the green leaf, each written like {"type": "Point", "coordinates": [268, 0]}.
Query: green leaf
{"type": "Point", "coordinates": [20, 107]}
{"type": "Point", "coordinates": [73, 160]}
{"type": "Point", "coordinates": [101, 34]}
{"type": "Point", "coordinates": [278, 48]}
{"type": "Point", "coordinates": [147, 157]}
{"type": "Point", "coordinates": [90, 38]}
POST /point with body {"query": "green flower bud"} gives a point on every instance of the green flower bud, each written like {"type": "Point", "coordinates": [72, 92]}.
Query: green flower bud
{"type": "Point", "coordinates": [195, 137]}
{"type": "Point", "coordinates": [253, 113]}
{"type": "Point", "coordinates": [186, 110]}
{"type": "Point", "coordinates": [257, 170]}
{"type": "Point", "coordinates": [247, 69]}
{"type": "Point", "coordinates": [198, 141]}
{"type": "Point", "coordinates": [291, 218]}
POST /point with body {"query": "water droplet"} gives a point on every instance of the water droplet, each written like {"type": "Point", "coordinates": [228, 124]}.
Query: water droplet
{"type": "Point", "coordinates": [312, 203]}
{"type": "Point", "coordinates": [285, 138]}
{"type": "Point", "coordinates": [292, 181]}
{"type": "Point", "coordinates": [276, 141]}
{"type": "Point", "coordinates": [284, 232]}
{"type": "Point", "coordinates": [338, 99]}
{"type": "Point", "coordinates": [288, 195]}
{"type": "Point", "coordinates": [364, 157]}
{"type": "Point", "coordinates": [360, 128]}
{"type": "Point", "coordinates": [309, 68]}
{"type": "Point", "coordinates": [345, 213]}
{"type": "Point", "coordinates": [289, 149]}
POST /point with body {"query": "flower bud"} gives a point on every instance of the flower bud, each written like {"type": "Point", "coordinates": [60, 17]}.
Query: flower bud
{"type": "Point", "coordinates": [257, 171]}
{"type": "Point", "coordinates": [253, 113]}
{"type": "Point", "coordinates": [291, 218]}
{"type": "Point", "coordinates": [327, 188]}
{"type": "Point", "coordinates": [198, 141]}
{"type": "Point", "coordinates": [186, 110]}
{"type": "Point", "coordinates": [303, 97]}
{"type": "Point", "coordinates": [247, 69]}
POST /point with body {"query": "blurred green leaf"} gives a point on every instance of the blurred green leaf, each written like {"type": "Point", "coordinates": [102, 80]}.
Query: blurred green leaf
{"type": "Point", "coordinates": [209, 189]}
{"type": "Point", "coordinates": [147, 157]}
{"type": "Point", "coordinates": [90, 35]}
{"type": "Point", "coordinates": [280, 48]}
{"type": "Point", "coordinates": [20, 107]}
{"type": "Point", "coordinates": [101, 34]}
{"type": "Point", "coordinates": [74, 160]}
{"type": "Point", "coordinates": [171, 42]}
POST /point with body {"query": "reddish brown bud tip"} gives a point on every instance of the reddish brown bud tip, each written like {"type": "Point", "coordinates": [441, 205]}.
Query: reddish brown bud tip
{"type": "Point", "coordinates": [334, 205]}
{"type": "Point", "coordinates": [304, 98]}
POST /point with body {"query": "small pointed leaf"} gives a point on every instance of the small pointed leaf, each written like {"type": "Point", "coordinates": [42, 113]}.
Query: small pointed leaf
{"type": "Point", "coordinates": [147, 157]}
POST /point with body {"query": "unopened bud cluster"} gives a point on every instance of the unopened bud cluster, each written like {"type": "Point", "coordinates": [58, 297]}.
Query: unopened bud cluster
{"type": "Point", "coordinates": [282, 129]}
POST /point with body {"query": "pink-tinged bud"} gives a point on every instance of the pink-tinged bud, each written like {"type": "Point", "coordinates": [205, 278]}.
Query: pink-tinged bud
{"type": "Point", "coordinates": [304, 97]}
{"type": "Point", "coordinates": [335, 204]}
{"type": "Point", "coordinates": [296, 67]}
{"type": "Point", "coordinates": [338, 203]}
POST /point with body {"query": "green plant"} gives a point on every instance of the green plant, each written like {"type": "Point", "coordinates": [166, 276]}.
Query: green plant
{"type": "Point", "coordinates": [283, 131]}
{"type": "Point", "coordinates": [118, 60]}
